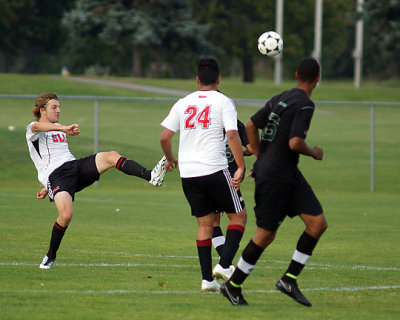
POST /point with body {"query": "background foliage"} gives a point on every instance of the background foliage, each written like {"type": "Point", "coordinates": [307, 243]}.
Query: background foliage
{"type": "Point", "coordinates": [164, 38]}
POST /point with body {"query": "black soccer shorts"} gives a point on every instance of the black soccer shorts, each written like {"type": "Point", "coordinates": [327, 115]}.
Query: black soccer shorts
{"type": "Point", "coordinates": [73, 176]}
{"type": "Point", "coordinates": [274, 201]}
{"type": "Point", "coordinates": [211, 193]}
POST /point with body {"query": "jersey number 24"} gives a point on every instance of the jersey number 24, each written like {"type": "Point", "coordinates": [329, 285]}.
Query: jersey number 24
{"type": "Point", "coordinates": [202, 118]}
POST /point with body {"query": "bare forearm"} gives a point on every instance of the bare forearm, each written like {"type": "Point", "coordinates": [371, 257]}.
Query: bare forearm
{"type": "Point", "coordinates": [47, 126]}
{"type": "Point", "coordinates": [71, 130]}
{"type": "Point", "coordinates": [299, 145]}
{"type": "Point", "coordinates": [166, 143]}
{"type": "Point", "coordinates": [166, 146]}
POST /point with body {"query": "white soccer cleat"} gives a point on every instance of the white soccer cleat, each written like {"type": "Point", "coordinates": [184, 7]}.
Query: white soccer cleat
{"type": "Point", "coordinates": [210, 286]}
{"type": "Point", "coordinates": [158, 173]}
{"type": "Point", "coordinates": [46, 263]}
{"type": "Point", "coordinates": [223, 273]}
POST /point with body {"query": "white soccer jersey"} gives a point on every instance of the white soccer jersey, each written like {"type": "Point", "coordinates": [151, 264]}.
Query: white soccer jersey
{"type": "Point", "coordinates": [48, 150]}
{"type": "Point", "coordinates": [201, 118]}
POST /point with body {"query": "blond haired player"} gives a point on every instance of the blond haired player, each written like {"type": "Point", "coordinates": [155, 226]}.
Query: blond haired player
{"type": "Point", "coordinates": [61, 174]}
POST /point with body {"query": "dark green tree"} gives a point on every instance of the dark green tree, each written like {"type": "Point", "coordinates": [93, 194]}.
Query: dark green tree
{"type": "Point", "coordinates": [236, 26]}
{"type": "Point", "coordinates": [29, 30]}
{"type": "Point", "coordinates": [157, 33]}
{"type": "Point", "coordinates": [382, 38]}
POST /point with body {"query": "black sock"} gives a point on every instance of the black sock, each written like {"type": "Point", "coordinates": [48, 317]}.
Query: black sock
{"type": "Point", "coordinates": [204, 251]}
{"type": "Point", "coordinates": [133, 168]}
{"type": "Point", "coordinates": [234, 234]}
{"type": "Point", "coordinates": [218, 239]}
{"type": "Point", "coordinates": [305, 247]}
{"type": "Point", "coordinates": [246, 263]}
{"type": "Point", "coordinates": [56, 236]}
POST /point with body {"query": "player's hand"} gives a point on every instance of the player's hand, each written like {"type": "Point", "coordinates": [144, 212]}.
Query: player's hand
{"type": "Point", "coordinates": [237, 179]}
{"type": "Point", "coordinates": [72, 130]}
{"type": "Point", "coordinates": [42, 194]}
{"type": "Point", "coordinates": [171, 164]}
{"type": "Point", "coordinates": [251, 175]}
{"type": "Point", "coordinates": [318, 153]}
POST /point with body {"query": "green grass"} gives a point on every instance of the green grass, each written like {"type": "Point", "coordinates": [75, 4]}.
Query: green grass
{"type": "Point", "coordinates": [140, 261]}
{"type": "Point", "coordinates": [130, 249]}
{"type": "Point", "coordinates": [262, 88]}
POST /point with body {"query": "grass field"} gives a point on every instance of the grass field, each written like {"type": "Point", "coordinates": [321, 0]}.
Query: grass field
{"type": "Point", "coordinates": [130, 250]}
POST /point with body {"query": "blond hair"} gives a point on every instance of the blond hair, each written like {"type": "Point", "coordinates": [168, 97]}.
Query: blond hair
{"type": "Point", "coordinates": [41, 102]}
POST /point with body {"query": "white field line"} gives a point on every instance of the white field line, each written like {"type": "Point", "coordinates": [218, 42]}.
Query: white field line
{"type": "Point", "coordinates": [183, 292]}
{"type": "Point", "coordinates": [105, 265]}
{"type": "Point", "coordinates": [132, 265]}
{"type": "Point", "coordinates": [261, 263]}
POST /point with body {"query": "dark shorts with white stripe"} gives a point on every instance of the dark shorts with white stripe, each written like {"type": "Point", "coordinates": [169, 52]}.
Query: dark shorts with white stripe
{"type": "Point", "coordinates": [73, 176]}
{"type": "Point", "coordinates": [211, 193]}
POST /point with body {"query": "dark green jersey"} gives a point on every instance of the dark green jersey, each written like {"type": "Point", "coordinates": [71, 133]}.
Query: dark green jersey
{"type": "Point", "coordinates": [232, 166]}
{"type": "Point", "coordinates": [285, 116]}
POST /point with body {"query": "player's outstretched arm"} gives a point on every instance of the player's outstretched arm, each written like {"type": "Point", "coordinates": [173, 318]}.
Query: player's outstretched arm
{"type": "Point", "coordinates": [71, 130]}
{"type": "Point", "coordinates": [299, 145]}
{"type": "Point", "coordinates": [42, 194]}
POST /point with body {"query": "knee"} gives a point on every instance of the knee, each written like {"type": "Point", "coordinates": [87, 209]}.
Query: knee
{"type": "Point", "coordinates": [112, 157]}
{"type": "Point", "coordinates": [269, 239]}
{"type": "Point", "coordinates": [242, 217]}
{"type": "Point", "coordinates": [264, 242]}
{"type": "Point", "coordinates": [317, 229]}
{"type": "Point", "coordinates": [64, 219]}
{"type": "Point", "coordinates": [68, 219]}
{"type": "Point", "coordinates": [263, 238]}
{"type": "Point", "coordinates": [238, 218]}
{"type": "Point", "coordinates": [324, 226]}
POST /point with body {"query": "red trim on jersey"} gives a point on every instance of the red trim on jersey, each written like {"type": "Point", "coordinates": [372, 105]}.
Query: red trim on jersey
{"type": "Point", "coordinates": [236, 227]}
{"type": "Point", "coordinates": [119, 162]}
{"type": "Point", "coordinates": [203, 243]}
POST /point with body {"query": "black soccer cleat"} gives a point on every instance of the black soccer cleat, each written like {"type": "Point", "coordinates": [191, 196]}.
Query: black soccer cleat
{"type": "Point", "coordinates": [292, 290]}
{"type": "Point", "coordinates": [234, 295]}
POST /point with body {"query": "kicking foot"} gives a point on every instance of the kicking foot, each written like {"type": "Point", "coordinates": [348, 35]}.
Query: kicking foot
{"type": "Point", "coordinates": [158, 173]}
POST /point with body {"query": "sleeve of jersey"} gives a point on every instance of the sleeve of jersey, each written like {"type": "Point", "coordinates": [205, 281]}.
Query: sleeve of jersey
{"type": "Point", "coordinates": [30, 135]}
{"type": "Point", "coordinates": [242, 133]}
{"type": "Point", "coordinates": [260, 118]}
{"type": "Point", "coordinates": [301, 122]}
{"type": "Point", "coordinates": [171, 122]}
{"type": "Point", "coordinates": [229, 116]}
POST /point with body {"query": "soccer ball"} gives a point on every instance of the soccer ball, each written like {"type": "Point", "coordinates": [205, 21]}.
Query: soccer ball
{"type": "Point", "coordinates": [270, 43]}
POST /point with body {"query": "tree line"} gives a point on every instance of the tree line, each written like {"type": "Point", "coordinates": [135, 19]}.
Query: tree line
{"type": "Point", "coordinates": [164, 38]}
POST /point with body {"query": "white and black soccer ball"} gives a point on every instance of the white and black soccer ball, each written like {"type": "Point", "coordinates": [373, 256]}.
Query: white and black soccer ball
{"type": "Point", "coordinates": [270, 43]}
